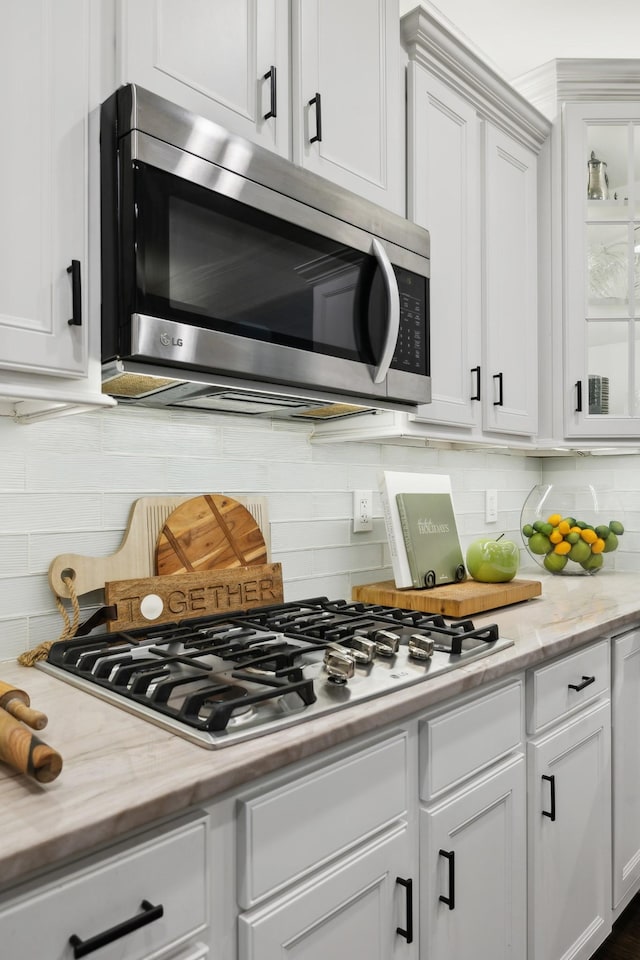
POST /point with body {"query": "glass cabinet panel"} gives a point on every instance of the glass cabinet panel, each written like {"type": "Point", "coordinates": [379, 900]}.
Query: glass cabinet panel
{"type": "Point", "coordinates": [602, 316]}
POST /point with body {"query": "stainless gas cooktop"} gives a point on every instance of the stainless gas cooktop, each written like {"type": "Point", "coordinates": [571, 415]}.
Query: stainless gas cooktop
{"type": "Point", "coordinates": [224, 679]}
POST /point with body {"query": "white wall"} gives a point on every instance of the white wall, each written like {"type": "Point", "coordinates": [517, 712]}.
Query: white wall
{"type": "Point", "coordinates": [67, 486]}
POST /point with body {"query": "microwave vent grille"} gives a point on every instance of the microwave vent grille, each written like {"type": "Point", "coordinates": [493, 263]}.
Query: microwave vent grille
{"type": "Point", "coordinates": [137, 385]}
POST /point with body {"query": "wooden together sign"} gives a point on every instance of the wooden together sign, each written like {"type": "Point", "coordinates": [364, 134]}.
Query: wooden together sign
{"type": "Point", "coordinates": [166, 599]}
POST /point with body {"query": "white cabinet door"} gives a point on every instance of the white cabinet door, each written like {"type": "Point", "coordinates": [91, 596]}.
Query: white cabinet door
{"type": "Point", "coordinates": [473, 870]}
{"type": "Point", "coordinates": [347, 95]}
{"type": "Point", "coordinates": [360, 908]}
{"type": "Point", "coordinates": [218, 57]}
{"type": "Point", "coordinates": [570, 837]}
{"type": "Point", "coordinates": [214, 57]}
{"type": "Point", "coordinates": [443, 193]}
{"type": "Point", "coordinates": [510, 401]}
{"type": "Point", "coordinates": [602, 270]}
{"type": "Point", "coordinates": [625, 709]}
{"type": "Point", "coordinates": [44, 64]}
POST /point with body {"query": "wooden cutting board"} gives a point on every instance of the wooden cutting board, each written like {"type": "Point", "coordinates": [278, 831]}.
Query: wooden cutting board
{"type": "Point", "coordinates": [207, 533]}
{"type": "Point", "coordinates": [451, 600]}
{"type": "Point", "coordinates": [136, 556]}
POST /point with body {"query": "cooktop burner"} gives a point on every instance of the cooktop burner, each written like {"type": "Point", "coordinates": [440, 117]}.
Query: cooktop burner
{"type": "Point", "coordinates": [222, 679]}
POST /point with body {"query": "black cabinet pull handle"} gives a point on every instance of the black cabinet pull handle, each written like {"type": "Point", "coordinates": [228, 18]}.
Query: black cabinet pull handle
{"type": "Point", "coordinates": [578, 396]}
{"type": "Point", "coordinates": [585, 683]}
{"type": "Point", "coordinates": [499, 401]}
{"type": "Point", "coordinates": [451, 899]}
{"type": "Point", "coordinates": [318, 102]}
{"type": "Point", "coordinates": [149, 913]}
{"type": "Point", "coordinates": [76, 294]}
{"type": "Point", "coordinates": [552, 781]}
{"type": "Point", "coordinates": [476, 371]}
{"type": "Point", "coordinates": [408, 888]}
{"type": "Point", "coordinates": [271, 75]}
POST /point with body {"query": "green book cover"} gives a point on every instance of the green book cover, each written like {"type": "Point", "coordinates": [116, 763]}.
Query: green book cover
{"type": "Point", "coordinates": [430, 537]}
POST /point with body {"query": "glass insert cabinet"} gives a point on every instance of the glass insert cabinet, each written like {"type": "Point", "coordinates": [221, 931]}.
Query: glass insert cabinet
{"type": "Point", "coordinates": [602, 268]}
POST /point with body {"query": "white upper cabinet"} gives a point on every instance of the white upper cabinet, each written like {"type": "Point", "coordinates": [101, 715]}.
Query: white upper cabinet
{"type": "Point", "coordinates": [339, 112]}
{"type": "Point", "coordinates": [510, 301]}
{"type": "Point", "coordinates": [348, 103]}
{"type": "Point", "coordinates": [444, 196]}
{"type": "Point", "coordinates": [602, 292]}
{"type": "Point", "coordinates": [472, 182]}
{"type": "Point", "coordinates": [593, 195]}
{"type": "Point", "coordinates": [223, 59]}
{"type": "Point", "coordinates": [44, 115]}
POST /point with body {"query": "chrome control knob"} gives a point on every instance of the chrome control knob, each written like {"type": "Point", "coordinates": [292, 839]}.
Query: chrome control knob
{"type": "Point", "coordinates": [386, 642]}
{"type": "Point", "coordinates": [339, 665]}
{"type": "Point", "coordinates": [420, 647]}
{"type": "Point", "coordinates": [362, 649]}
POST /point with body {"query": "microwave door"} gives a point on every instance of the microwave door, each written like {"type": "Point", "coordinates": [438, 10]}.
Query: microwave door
{"type": "Point", "coordinates": [393, 312]}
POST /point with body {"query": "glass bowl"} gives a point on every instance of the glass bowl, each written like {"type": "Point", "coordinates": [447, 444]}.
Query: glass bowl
{"type": "Point", "coordinates": [571, 530]}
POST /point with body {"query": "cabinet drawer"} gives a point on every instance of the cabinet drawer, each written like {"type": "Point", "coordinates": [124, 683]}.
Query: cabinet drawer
{"type": "Point", "coordinates": [289, 831]}
{"type": "Point", "coordinates": [168, 869]}
{"type": "Point", "coordinates": [551, 690]}
{"type": "Point", "coordinates": [458, 744]}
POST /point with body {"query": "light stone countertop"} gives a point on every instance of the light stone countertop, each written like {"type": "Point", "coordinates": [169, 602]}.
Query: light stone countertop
{"type": "Point", "coordinates": [121, 773]}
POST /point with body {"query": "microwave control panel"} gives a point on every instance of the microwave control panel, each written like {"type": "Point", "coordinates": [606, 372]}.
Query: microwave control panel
{"type": "Point", "coordinates": [412, 351]}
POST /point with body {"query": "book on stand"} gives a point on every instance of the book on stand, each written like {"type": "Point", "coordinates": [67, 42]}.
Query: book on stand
{"type": "Point", "coordinates": [421, 529]}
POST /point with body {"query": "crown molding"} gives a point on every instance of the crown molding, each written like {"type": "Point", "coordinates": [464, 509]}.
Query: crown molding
{"type": "Point", "coordinates": [557, 81]}
{"type": "Point", "coordinates": [436, 44]}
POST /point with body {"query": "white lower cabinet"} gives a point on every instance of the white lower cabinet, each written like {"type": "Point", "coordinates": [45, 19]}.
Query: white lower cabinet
{"type": "Point", "coordinates": [472, 870]}
{"type": "Point", "coordinates": [473, 829]}
{"type": "Point", "coordinates": [327, 859]}
{"type": "Point", "coordinates": [141, 899]}
{"type": "Point", "coordinates": [569, 816]}
{"type": "Point", "coordinates": [625, 710]}
{"type": "Point", "coordinates": [362, 907]}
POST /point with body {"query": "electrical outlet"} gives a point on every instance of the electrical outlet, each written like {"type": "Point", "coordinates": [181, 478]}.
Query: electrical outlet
{"type": "Point", "coordinates": [362, 504]}
{"type": "Point", "coordinates": [491, 506]}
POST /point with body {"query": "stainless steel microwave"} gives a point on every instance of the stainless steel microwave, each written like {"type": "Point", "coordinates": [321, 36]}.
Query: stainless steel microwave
{"type": "Point", "coordinates": [234, 280]}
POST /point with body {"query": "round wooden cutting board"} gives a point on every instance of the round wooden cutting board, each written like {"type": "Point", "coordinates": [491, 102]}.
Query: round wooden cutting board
{"type": "Point", "coordinates": [208, 532]}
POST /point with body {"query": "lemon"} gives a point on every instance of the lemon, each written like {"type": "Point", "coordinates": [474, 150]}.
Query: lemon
{"type": "Point", "coordinates": [562, 548]}
{"type": "Point", "coordinates": [597, 546]}
{"type": "Point", "coordinates": [589, 535]}
{"type": "Point", "coordinates": [554, 519]}
{"type": "Point", "coordinates": [555, 536]}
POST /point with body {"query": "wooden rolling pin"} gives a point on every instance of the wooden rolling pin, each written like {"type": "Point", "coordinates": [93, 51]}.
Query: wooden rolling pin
{"type": "Point", "coordinates": [17, 703]}
{"type": "Point", "coordinates": [23, 751]}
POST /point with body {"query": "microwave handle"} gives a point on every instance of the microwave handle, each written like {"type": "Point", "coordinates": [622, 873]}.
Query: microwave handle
{"type": "Point", "coordinates": [393, 319]}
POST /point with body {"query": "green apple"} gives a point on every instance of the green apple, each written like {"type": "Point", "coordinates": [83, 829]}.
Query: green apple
{"type": "Point", "coordinates": [493, 561]}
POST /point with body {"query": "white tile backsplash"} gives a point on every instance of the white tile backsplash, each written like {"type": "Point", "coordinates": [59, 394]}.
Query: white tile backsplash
{"type": "Point", "coordinates": [67, 486]}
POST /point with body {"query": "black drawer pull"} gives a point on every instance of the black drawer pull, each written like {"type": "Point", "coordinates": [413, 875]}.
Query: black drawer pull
{"type": "Point", "coordinates": [500, 401]}
{"type": "Point", "coordinates": [76, 294]}
{"type": "Point", "coordinates": [578, 396]}
{"type": "Point", "coordinates": [451, 899]}
{"type": "Point", "coordinates": [318, 102]}
{"type": "Point", "coordinates": [149, 913]}
{"type": "Point", "coordinates": [408, 887]}
{"type": "Point", "coordinates": [476, 395]}
{"type": "Point", "coordinates": [585, 683]}
{"type": "Point", "coordinates": [552, 782]}
{"type": "Point", "coordinates": [271, 75]}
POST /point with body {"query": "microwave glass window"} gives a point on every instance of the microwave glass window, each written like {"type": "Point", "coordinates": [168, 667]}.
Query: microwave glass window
{"type": "Point", "coordinates": [210, 260]}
